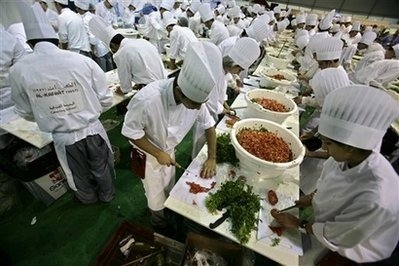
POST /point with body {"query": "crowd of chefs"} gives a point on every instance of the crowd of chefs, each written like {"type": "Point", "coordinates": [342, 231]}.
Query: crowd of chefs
{"type": "Point", "coordinates": [52, 72]}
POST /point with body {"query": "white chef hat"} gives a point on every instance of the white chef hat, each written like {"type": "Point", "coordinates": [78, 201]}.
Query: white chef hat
{"type": "Point", "coordinates": [63, 2]}
{"type": "Point", "coordinates": [396, 50]}
{"type": "Point", "coordinates": [255, 8]}
{"type": "Point", "coordinates": [167, 4]}
{"type": "Point", "coordinates": [112, 2]}
{"type": "Point", "coordinates": [356, 26]}
{"type": "Point", "coordinates": [277, 10]}
{"type": "Point", "coordinates": [82, 4]}
{"type": "Point", "coordinates": [194, 6]}
{"type": "Point", "coordinates": [368, 37]}
{"type": "Point", "coordinates": [335, 28]}
{"type": "Point", "coordinates": [283, 14]}
{"type": "Point", "coordinates": [201, 68]}
{"type": "Point", "coordinates": [311, 19]}
{"type": "Point", "coordinates": [326, 22]}
{"type": "Point", "coordinates": [327, 80]}
{"type": "Point", "coordinates": [184, 5]}
{"type": "Point", "coordinates": [235, 12]}
{"type": "Point", "coordinates": [261, 10]}
{"type": "Point", "coordinates": [300, 19]}
{"type": "Point", "coordinates": [281, 25]}
{"type": "Point", "coordinates": [368, 28]}
{"type": "Point", "coordinates": [346, 19]}
{"type": "Point", "coordinates": [233, 30]}
{"type": "Point", "coordinates": [271, 15]}
{"type": "Point", "coordinates": [302, 41]}
{"type": "Point", "coordinates": [205, 12]}
{"type": "Point", "coordinates": [258, 29]}
{"type": "Point", "coordinates": [244, 52]}
{"type": "Point", "coordinates": [101, 30]}
{"type": "Point", "coordinates": [35, 21]}
{"type": "Point", "coordinates": [329, 48]}
{"type": "Point", "coordinates": [357, 115]}
{"type": "Point", "coordinates": [221, 9]}
{"type": "Point", "coordinates": [293, 22]}
{"type": "Point", "coordinates": [171, 21]}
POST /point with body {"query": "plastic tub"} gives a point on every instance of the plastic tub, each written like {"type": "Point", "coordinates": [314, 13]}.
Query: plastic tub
{"type": "Point", "coordinates": [268, 81]}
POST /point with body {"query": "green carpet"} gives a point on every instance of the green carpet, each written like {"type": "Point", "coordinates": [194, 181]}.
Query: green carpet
{"type": "Point", "coordinates": [69, 233]}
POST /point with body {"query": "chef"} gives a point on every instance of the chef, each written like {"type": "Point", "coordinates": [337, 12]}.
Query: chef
{"type": "Point", "coordinates": [194, 18]}
{"type": "Point", "coordinates": [9, 55]}
{"type": "Point", "coordinates": [378, 74]}
{"type": "Point", "coordinates": [71, 30]}
{"type": "Point", "coordinates": [137, 60]}
{"type": "Point", "coordinates": [52, 16]}
{"type": "Point", "coordinates": [311, 22]}
{"type": "Point", "coordinates": [180, 37]}
{"type": "Point", "coordinates": [160, 115]}
{"type": "Point", "coordinates": [371, 51]}
{"type": "Point", "coordinates": [106, 11]}
{"type": "Point", "coordinates": [101, 53]}
{"type": "Point", "coordinates": [65, 94]}
{"type": "Point", "coordinates": [356, 207]}
{"type": "Point", "coordinates": [240, 57]}
{"type": "Point", "coordinates": [219, 32]}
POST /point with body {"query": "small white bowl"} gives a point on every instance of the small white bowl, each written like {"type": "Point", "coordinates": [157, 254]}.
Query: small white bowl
{"type": "Point", "coordinates": [255, 110]}
{"type": "Point", "coordinates": [277, 62]}
{"type": "Point", "coordinates": [267, 81]}
{"type": "Point", "coordinates": [257, 168]}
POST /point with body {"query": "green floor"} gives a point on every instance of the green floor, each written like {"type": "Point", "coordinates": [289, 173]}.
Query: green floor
{"type": "Point", "coordinates": [68, 233]}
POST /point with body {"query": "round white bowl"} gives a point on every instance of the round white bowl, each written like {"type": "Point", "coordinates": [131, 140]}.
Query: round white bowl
{"type": "Point", "coordinates": [267, 81]}
{"type": "Point", "coordinates": [277, 62]}
{"type": "Point", "coordinates": [255, 110]}
{"type": "Point", "coordinates": [257, 168]}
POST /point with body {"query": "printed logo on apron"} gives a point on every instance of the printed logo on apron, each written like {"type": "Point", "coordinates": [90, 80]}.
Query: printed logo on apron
{"type": "Point", "coordinates": [55, 99]}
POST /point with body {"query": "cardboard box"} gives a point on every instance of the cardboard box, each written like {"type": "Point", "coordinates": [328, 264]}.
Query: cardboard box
{"type": "Point", "coordinates": [49, 187]}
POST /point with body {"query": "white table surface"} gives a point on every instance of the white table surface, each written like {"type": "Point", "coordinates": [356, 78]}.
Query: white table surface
{"type": "Point", "coordinates": [192, 207]}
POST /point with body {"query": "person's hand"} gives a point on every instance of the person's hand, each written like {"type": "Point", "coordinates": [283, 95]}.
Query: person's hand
{"type": "Point", "coordinates": [164, 158]}
{"type": "Point", "coordinates": [298, 99]}
{"type": "Point", "coordinates": [239, 84]}
{"type": "Point", "coordinates": [286, 220]}
{"type": "Point", "coordinates": [171, 65]}
{"type": "Point", "coordinates": [307, 135]}
{"type": "Point", "coordinates": [305, 201]}
{"type": "Point", "coordinates": [208, 168]}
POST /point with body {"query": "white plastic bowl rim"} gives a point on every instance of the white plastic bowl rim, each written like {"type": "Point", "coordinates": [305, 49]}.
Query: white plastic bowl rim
{"type": "Point", "coordinates": [272, 127]}
{"type": "Point", "coordinates": [279, 97]}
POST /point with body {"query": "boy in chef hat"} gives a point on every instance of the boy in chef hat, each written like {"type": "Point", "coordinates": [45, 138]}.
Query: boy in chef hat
{"type": "Point", "coordinates": [65, 94]}
{"type": "Point", "coordinates": [356, 204]}
{"type": "Point", "coordinates": [160, 115]}
{"type": "Point", "coordinates": [219, 32]}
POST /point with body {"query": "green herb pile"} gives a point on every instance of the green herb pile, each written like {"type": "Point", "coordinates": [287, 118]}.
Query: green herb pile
{"type": "Point", "coordinates": [241, 203]}
{"type": "Point", "coordinates": [225, 152]}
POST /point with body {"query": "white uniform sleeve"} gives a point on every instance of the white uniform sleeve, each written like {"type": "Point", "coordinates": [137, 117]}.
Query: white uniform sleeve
{"type": "Point", "coordinates": [135, 119]}
{"type": "Point", "coordinates": [124, 73]}
{"type": "Point", "coordinates": [20, 97]}
{"type": "Point", "coordinates": [62, 30]}
{"type": "Point", "coordinates": [174, 45]}
{"type": "Point", "coordinates": [104, 94]}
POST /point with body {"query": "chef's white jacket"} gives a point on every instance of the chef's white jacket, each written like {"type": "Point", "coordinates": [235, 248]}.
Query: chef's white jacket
{"type": "Point", "coordinates": [99, 48]}
{"type": "Point", "coordinates": [138, 60]}
{"type": "Point", "coordinates": [72, 31]}
{"type": "Point", "coordinates": [194, 23]}
{"type": "Point", "coordinates": [153, 113]}
{"type": "Point", "coordinates": [109, 15]}
{"type": "Point", "coordinates": [356, 210]}
{"type": "Point", "coordinates": [53, 18]}
{"type": "Point", "coordinates": [374, 52]}
{"type": "Point", "coordinates": [180, 38]}
{"type": "Point", "coordinates": [219, 32]}
{"type": "Point", "coordinates": [64, 93]}
{"type": "Point", "coordinates": [379, 73]}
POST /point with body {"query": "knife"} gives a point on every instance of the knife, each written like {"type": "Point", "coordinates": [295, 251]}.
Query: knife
{"type": "Point", "coordinates": [220, 220]}
{"type": "Point", "coordinates": [286, 209]}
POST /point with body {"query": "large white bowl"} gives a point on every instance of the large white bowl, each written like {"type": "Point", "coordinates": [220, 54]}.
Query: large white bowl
{"type": "Point", "coordinates": [257, 168]}
{"type": "Point", "coordinates": [277, 62]}
{"type": "Point", "coordinates": [267, 81]}
{"type": "Point", "coordinates": [255, 110]}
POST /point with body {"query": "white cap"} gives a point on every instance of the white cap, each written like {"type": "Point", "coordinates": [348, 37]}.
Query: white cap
{"type": "Point", "coordinates": [356, 26]}
{"type": "Point", "coordinates": [194, 6]}
{"type": "Point", "coordinates": [327, 80]}
{"type": "Point", "coordinates": [346, 19]}
{"type": "Point", "coordinates": [368, 28]}
{"type": "Point", "coordinates": [101, 30]}
{"type": "Point", "coordinates": [302, 41]}
{"type": "Point", "coordinates": [221, 9]}
{"type": "Point", "coordinates": [326, 22]}
{"type": "Point", "coordinates": [335, 28]}
{"type": "Point", "coordinates": [329, 48]}
{"type": "Point", "coordinates": [258, 29]}
{"type": "Point", "coordinates": [205, 12]}
{"type": "Point", "coordinates": [277, 10]}
{"type": "Point", "coordinates": [167, 4]}
{"type": "Point", "coordinates": [368, 37]}
{"type": "Point", "coordinates": [396, 50]}
{"type": "Point", "coordinates": [235, 12]}
{"type": "Point", "coordinates": [357, 115]}
{"type": "Point", "coordinates": [271, 15]}
{"type": "Point", "coordinates": [170, 21]}
{"type": "Point", "coordinates": [311, 19]}
{"type": "Point", "coordinates": [293, 22]}
{"type": "Point", "coordinates": [201, 68]}
{"type": "Point", "coordinates": [261, 10]}
{"type": "Point", "coordinates": [300, 19]}
{"type": "Point", "coordinates": [82, 4]}
{"type": "Point", "coordinates": [112, 2]}
{"type": "Point", "coordinates": [281, 25]}
{"type": "Point", "coordinates": [256, 8]}
{"type": "Point", "coordinates": [64, 2]}
{"type": "Point", "coordinates": [283, 14]}
{"type": "Point", "coordinates": [233, 30]}
{"type": "Point", "coordinates": [36, 23]}
{"type": "Point", "coordinates": [244, 52]}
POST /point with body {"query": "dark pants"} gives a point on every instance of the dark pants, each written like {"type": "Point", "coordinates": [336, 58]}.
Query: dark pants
{"type": "Point", "coordinates": [85, 53]}
{"type": "Point", "coordinates": [105, 62]}
{"type": "Point", "coordinates": [90, 161]}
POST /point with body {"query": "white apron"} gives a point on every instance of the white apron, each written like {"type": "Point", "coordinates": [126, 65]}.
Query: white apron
{"type": "Point", "coordinates": [63, 139]}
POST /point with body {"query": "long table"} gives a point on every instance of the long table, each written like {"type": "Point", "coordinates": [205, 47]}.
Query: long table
{"type": "Point", "coordinates": [192, 206]}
